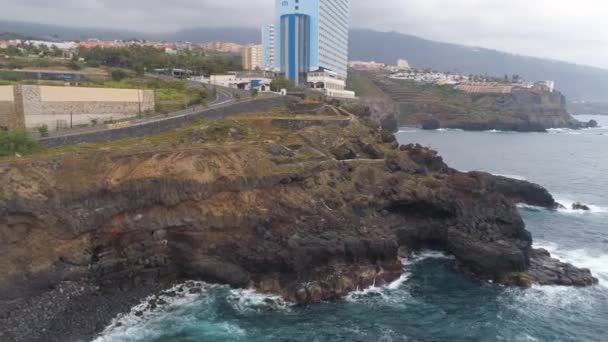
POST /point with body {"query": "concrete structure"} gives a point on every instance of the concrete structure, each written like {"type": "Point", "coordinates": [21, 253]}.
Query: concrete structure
{"type": "Point", "coordinates": [157, 126]}
{"type": "Point", "coordinates": [403, 64]}
{"type": "Point", "coordinates": [252, 57]}
{"type": "Point", "coordinates": [311, 44]}
{"type": "Point", "coordinates": [329, 84]}
{"type": "Point", "coordinates": [243, 81]}
{"type": "Point", "coordinates": [8, 111]}
{"type": "Point", "coordinates": [312, 35]}
{"type": "Point", "coordinates": [362, 65]}
{"type": "Point", "coordinates": [63, 107]}
{"type": "Point", "coordinates": [268, 46]}
{"type": "Point", "coordinates": [223, 47]}
{"type": "Point", "coordinates": [485, 88]}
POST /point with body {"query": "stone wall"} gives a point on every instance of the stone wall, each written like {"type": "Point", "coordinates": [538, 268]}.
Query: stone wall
{"type": "Point", "coordinates": [165, 124]}
{"type": "Point", "coordinates": [8, 113]}
{"type": "Point", "coordinates": [59, 107]}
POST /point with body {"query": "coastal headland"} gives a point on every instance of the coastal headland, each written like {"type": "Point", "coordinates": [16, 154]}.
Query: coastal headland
{"type": "Point", "coordinates": [307, 201]}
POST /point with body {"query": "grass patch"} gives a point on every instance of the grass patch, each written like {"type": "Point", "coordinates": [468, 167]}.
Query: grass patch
{"type": "Point", "coordinates": [362, 86]}
{"type": "Point", "coordinates": [17, 142]}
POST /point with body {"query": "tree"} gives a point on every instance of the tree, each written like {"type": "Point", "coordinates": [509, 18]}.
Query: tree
{"type": "Point", "coordinates": [119, 75]}
{"type": "Point", "coordinates": [254, 93]}
{"type": "Point", "coordinates": [281, 82]}
{"type": "Point", "coordinates": [74, 65]}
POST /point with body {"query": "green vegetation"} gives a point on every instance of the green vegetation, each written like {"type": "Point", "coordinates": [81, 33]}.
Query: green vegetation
{"type": "Point", "coordinates": [119, 75]}
{"type": "Point", "coordinates": [17, 142]}
{"type": "Point", "coordinates": [361, 85]}
{"type": "Point", "coordinates": [281, 82]}
{"type": "Point", "coordinates": [141, 58]}
{"type": "Point", "coordinates": [25, 50]}
{"type": "Point", "coordinates": [44, 131]}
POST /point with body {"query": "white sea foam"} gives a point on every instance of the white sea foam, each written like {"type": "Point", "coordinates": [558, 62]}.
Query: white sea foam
{"type": "Point", "coordinates": [251, 301]}
{"type": "Point", "coordinates": [429, 254]}
{"type": "Point", "coordinates": [567, 207]}
{"type": "Point", "coordinates": [132, 325]}
{"type": "Point", "coordinates": [596, 262]}
{"type": "Point", "coordinates": [405, 130]}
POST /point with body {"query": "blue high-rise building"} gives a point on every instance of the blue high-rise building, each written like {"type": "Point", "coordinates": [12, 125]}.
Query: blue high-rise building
{"type": "Point", "coordinates": [311, 35]}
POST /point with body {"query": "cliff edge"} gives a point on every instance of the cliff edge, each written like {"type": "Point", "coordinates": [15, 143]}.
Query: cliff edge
{"type": "Point", "coordinates": [310, 207]}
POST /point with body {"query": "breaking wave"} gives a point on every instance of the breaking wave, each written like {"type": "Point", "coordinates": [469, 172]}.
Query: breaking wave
{"type": "Point", "coordinates": [568, 203]}
{"type": "Point", "coordinates": [597, 263]}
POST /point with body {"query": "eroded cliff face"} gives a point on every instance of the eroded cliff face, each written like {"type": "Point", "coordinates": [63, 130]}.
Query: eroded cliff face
{"type": "Point", "coordinates": [309, 207]}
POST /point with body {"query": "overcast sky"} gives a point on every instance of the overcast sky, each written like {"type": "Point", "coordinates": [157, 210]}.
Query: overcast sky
{"type": "Point", "coordinates": [575, 31]}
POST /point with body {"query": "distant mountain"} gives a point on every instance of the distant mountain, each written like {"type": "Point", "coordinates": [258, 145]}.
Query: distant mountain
{"type": "Point", "coordinates": [197, 35]}
{"type": "Point", "coordinates": [576, 81]}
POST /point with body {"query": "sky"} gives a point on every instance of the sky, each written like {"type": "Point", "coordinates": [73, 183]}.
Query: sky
{"type": "Point", "coordinates": [574, 31]}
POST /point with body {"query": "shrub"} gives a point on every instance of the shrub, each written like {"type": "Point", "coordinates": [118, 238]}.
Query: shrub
{"type": "Point", "coordinates": [281, 82]}
{"type": "Point", "coordinates": [16, 141]}
{"type": "Point", "coordinates": [43, 130]}
{"type": "Point", "coordinates": [119, 75]}
{"type": "Point", "coordinates": [197, 101]}
{"type": "Point", "coordinates": [74, 65]}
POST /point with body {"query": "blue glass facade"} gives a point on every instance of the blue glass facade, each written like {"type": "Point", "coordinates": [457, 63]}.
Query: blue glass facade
{"type": "Point", "coordinates": [326, 43]}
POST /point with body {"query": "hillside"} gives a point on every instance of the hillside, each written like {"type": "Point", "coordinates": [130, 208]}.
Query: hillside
{"type": "Point", "coordinates": [434, 106]}
{"type": "Point", "coordinates": [577, 82]}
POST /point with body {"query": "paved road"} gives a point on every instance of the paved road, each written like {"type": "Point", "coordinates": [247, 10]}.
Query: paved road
{"type": "Point", "coordinates": [224, 97]}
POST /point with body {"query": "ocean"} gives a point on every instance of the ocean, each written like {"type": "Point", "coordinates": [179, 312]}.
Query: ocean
{"type": "Point", "coordinates": [432, 301]}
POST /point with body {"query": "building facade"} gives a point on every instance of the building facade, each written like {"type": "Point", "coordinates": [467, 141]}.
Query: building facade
{"type": "Point", "coordinates": [252, 57]}
{"type": "Point", "coordinates": [311, 35]}
{"type": "Point", "coordinates": [268, 46]}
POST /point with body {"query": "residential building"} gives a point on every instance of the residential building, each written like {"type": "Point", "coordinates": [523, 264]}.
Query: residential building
{"type": "Point", "coordinates": [252, 57]}
{"type": "Point", "coordinates": [311, 44]}
{"type": "Point", "coordinates": [223, 47]}
{"type": "Point", "coordinates": [268, 45]}
{"type": "Point", "coordinates": [311, 35]}
{"type": "Point", "coordinates": [403, 64]}
{"type": "Point", "coordinates": [361, 65]}
{"type": "Point", "coordinates": [485, 88]}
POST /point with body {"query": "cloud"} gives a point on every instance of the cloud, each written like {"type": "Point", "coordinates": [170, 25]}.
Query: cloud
{"type": "Point", "coordinates": [559, 29]}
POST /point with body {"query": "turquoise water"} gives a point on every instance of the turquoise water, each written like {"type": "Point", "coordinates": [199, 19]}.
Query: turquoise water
{"type": "Point", "coordinates": [432, 302]}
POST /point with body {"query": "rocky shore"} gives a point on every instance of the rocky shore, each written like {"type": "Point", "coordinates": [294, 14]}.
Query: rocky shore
{"type": "Point", "coordinates": [308, 207]}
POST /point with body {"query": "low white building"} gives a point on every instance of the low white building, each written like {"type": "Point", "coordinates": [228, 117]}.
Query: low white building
{"type": "Point", "coordinates": [329, 84]}
{"type": "Point", "coordinates": [403, 64]}
{"type": "Point", "coordinates": [237, 81]}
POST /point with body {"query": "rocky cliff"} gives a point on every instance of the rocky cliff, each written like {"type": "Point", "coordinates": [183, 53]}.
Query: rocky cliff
{"type": "Point", "coordinates": [436, 106]}
{"type": "Point", "coordinates": [522, 111]}
{"type": "Point", "coordinates": [310, 207]}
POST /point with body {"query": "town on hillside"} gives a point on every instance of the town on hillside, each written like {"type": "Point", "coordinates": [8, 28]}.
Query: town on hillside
{"type": "Point", "coordinates": [135, 78]}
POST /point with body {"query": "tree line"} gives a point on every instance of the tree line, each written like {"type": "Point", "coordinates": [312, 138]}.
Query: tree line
{"type": "Point", "coordinates": [147, 58]}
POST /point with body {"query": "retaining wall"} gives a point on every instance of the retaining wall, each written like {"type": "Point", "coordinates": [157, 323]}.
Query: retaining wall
{"type": "Point", "coordinates": [8, 119]}
{"type": "Point", "coordinates": [165, 124]}
{"type": "Point", "coordinates": [59, 107]}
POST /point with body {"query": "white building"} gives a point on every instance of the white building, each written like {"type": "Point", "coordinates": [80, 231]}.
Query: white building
{"type": "Point", "coordinates": [361, 65]}
{"type": "Point", "coordinates": [403, 64]}
{"type": "Point", "coordinates": [252, 57]}
{"type": "Point", "coordinates": [329, 83]}
{"type": "Point", "coordinates": [268, 45]}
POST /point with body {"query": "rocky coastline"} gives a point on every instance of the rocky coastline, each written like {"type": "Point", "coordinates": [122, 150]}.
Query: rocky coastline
{"type": "Point", "coordinates": [309, 207]}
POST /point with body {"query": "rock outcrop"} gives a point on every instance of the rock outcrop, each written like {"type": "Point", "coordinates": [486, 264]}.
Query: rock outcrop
{"type": "Point", "coordinates": [441, 106]}
{"type": "Point", "coordinates": [310, 214]}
